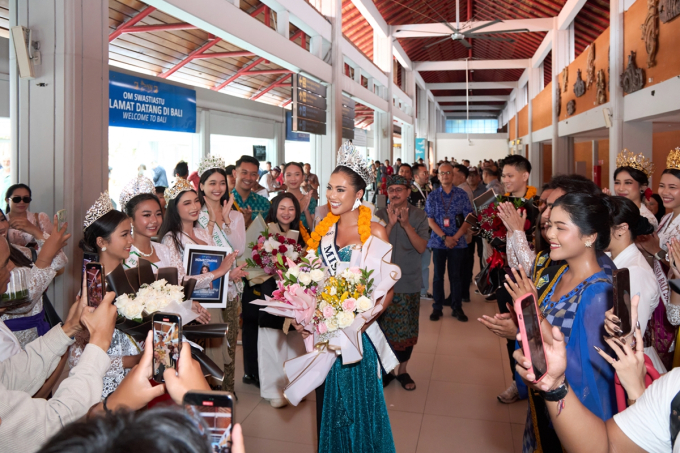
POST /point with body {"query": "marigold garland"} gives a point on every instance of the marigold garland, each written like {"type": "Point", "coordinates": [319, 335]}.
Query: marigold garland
{"type": "Point", "coordinates": [531, 193]}
{"type": "Point", "coordinates": [304, 233]}
{"type": "Point", "coordinates": [331, 219]}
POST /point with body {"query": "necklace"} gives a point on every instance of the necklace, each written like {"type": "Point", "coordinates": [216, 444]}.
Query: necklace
{"type": "Point", "coordinates": [144, 254]}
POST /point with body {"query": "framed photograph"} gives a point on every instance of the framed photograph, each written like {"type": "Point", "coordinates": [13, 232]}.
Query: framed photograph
{"type": "Point", "coordinates": [201, 259]}
{"type": "Point", "coordinates": [484, 200]}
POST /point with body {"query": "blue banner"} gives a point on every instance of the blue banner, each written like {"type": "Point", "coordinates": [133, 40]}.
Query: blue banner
{"type": "Point", "coordinates": [420, 148]}
{"type": "Point", "coordinates": [148, 104]}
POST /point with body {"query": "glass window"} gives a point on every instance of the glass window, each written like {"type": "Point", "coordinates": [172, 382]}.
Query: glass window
{"type": "Point", "coordinates": [231, 148]}
{"type": "Point", "coordinates": [471, 126]}
{"type": "Point", "coordinates": [149, 152]}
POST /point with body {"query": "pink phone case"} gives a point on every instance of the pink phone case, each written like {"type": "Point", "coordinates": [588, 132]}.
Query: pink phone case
{"type": "Point", "coordinates": [523, 332]}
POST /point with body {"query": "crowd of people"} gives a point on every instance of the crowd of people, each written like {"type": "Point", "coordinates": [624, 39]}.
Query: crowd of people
{"type": "Point", "coordinates": [563, 244]}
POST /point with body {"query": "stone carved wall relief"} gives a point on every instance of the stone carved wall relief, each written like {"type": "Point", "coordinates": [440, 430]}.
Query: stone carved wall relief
{"type": "Point", "coordinates": [650, 32]}
{"type": "Point", "coordinates": [633, 78]}
{"type": "Point", "coordinates": [558, 100]}
{"type": "Point", "coordinates": [668, 10]}
{"type": "Point", "coordinates": [579, 85]}
{"type": "Point", "coordinates": [590, 71]}
{"type": "Point", "coordinates": [601, 88]}
{"type": "Point", "coordinates": [565, 78]}
{"type": "Point", "coordinates": [571, 107]}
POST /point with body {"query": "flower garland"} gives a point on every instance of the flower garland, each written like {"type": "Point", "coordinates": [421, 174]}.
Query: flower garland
{"type": "Point", "coordinates": [304, 233]}
{"type": "Point", "coordinates": [331, 219]}
{"type": "Point", "coordinates": [531, 193]}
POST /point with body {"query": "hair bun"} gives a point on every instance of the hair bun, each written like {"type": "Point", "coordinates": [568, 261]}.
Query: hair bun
{"type": "Point", "coordinates": [643, 226]}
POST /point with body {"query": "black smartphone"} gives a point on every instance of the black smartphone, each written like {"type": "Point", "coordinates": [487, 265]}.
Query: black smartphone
{"type": "Point", "coordinates": [472, 220]}
{"type": "Point", "coordinates": [95, 283]}
{"type": "Point", "coordinates": [167, 343]}
{"type": "Point", "coordinates": [532, 337]}
{"type": "Point", "coordinates": [621, 284]}
{"type": "Point", "coordinates": [215, 413]}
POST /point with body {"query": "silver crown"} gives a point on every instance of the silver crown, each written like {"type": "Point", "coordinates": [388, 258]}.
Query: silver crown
{"type": "Point", "coordinates": [99, 209]}
{"type": "Point", "coordinates": [210, 162]}
{"type": "Point", "coordinates": [350, 157]}
{"type": "Point", "coordinates": [182, 185]}
{"type": "Point", "coordinates": [137, 186]}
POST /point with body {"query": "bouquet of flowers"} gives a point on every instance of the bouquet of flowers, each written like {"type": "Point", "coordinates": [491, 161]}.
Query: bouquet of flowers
{"type": "Point", "coordinates": [150, 298]}
{"type": "Point", "coordinates": [342, 298]}
{"type": "Point", "coordinates": [491, 226]}
{"type": "Point", "coordinates": [269, 247]}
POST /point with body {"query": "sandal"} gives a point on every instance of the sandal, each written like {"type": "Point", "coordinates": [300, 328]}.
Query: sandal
{"type": "Point", "coordinates": [387, 379]}
{"type": "Point", "coordinates": [404, 380]}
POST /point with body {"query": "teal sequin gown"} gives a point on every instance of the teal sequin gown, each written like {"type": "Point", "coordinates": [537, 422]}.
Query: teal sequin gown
{"type": "Point", "coordinates": [354, 416]}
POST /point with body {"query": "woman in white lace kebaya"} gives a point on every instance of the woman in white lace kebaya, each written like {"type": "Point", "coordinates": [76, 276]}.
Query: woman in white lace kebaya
{"type": "Point", "coordinates": [180, 227]}
{"type": "Point", "coordinates": [28, 321]}
{"type": "Point", "coordinates": [631, 180]}
{"type": "Point", "coordinates": [25, 227]}
{"type": "Point", "coordinates": [139, 202]}
{"type": "Point", "coordinates": [107, 234]}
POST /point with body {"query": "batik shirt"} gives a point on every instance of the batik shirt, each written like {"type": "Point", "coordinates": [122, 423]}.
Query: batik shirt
{"type": "Point", "coordinates": [440, 206]}
{"type": "Point", "coordinates": [258, 203]}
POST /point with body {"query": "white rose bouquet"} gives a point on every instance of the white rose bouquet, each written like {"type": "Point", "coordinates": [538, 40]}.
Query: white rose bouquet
{"type": "Point", "coordinates": [149, 299]}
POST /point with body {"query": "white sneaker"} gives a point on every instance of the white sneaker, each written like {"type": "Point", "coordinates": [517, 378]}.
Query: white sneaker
{"type": "Point", "coordinates": [510, 395]}
{"type": "Point", "coordinates": [278, 402]}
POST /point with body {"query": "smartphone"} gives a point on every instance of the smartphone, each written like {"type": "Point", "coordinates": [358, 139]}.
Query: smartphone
{"type": "Point", "coordinates": [532, 337]}
{"type": "Point", "coordinates": [167, 343]}
{"type": "Point", "coordinates": [61, 218]}
{"type": "Point", "coordinates": [95, 283]}
{"type": "Point", "coordinates": [621, 293]}
{"type": "Point", "coordinates": [215, 411]}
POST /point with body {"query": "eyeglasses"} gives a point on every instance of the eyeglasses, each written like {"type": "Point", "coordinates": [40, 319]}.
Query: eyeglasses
{"type": "Point", "coordinates": [445, 173]}
{"type": "Point", "coordinates": [18, 199]}
{"type": "Point", "coordinates": [395, 190]}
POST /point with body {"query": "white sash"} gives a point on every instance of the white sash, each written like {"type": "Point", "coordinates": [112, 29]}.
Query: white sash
{"type": "Point", "coordinates": [133, 260]}
{"type": "Point", "coordinates": [218, 235]}
{"type": "Point", "coordinates": [328, 252]}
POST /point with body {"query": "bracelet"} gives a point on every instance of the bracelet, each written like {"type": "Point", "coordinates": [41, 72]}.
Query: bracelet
{"type": "Point", "coordinates": [106, 409]}
{"type": "Point", "coordinates": [558, 393]}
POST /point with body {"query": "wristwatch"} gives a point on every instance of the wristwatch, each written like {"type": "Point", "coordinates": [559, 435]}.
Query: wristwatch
{"type": "Point", "coordinates": [443, 236]}
{"type": "Point", "coordinates": [557, 394]}
{"type": "Point", "coordinates": [661, 255]}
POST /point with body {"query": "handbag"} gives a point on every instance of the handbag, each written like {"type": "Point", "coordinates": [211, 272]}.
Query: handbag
{"type": "Point", "coordinates": [51, 316]}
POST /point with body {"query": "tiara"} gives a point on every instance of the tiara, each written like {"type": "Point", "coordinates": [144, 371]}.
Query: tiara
{"type": "Point", "coordinates": [627, 158]}
{"type": "Point", "coordinates": [209, 163]}
{"type": "Point", "coordinates": [673, 160]}
{"type": "Point", "coordinates": [182, 185]}
{"type": "Point", "coordinates": [350, 157]}
{"type": "Point", "coordinates": [137, 186]}
{"type": "Point", "coordinates": [99, 209]}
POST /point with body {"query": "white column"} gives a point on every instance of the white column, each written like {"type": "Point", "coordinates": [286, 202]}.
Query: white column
{"type": "Point", "coordinates": [60, 119]}
{"type": "Point", "coordinates": [534, 152]}
{"type": "Point", "coordinates": [561, 151]}
{"type": "Point", "coordinates": [616, 132]}
{"type": "Point", "coordinates": [283, 22]}
{"type": "Point", "coordinates": [204, 135]}
{"type": "Point", "coordinates": [382, 56]}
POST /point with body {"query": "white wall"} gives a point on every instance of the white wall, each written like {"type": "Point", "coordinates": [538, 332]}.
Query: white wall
{"type": "Point", "coordinates": [484, 146]}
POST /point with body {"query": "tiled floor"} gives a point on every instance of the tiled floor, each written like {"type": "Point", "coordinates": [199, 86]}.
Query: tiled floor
{"type": "Point", "coordinates": [459, 368]}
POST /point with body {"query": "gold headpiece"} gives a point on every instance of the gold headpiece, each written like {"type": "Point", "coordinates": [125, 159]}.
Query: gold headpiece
{"type": "Point", "coordinates": [209, 163]}
{"type": "Point", "coordinates": [181, 185]}
{"type": "Point", "coordinates": [673, 160]}
{"type": "Point", "coordinates": [627, 158]}
{"type": "Point", "coordinates": [349, 156]}
{"type": "Point", "coordinates": [137, 186]}
{"type": "Point", "coordinates": [99, 209]}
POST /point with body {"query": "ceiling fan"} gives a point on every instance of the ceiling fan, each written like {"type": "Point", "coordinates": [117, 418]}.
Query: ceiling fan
{"type": "Point", "coordinates": [461, 34]}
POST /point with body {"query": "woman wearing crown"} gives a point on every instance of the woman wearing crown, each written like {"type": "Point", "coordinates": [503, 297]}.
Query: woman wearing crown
{"type": "Point", "coordinates": [180, 227]}
{"type": "Point", "coordinates": [351, 411]}
{"type": "Point", "coordinates": [662, 327]}
{"type": "Point", "coordinates": [631, 180]}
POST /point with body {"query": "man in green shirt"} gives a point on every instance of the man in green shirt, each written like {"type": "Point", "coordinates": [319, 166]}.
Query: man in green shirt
{"type": "Point", "coordinates": [248, 202]}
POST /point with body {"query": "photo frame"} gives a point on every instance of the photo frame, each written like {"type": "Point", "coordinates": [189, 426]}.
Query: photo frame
{"type": "Point", "coordinates": [198, 258]}
{"type": "Point", "coordinates": [484, 200]}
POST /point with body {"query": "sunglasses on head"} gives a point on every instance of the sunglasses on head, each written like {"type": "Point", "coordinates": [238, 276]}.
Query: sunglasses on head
{"type": "Point", "coordinates": [18, 199]}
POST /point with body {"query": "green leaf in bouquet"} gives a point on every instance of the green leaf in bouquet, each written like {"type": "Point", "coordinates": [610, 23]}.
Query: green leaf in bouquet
{"type": "Point", "coordinates": [251, 263]}
{"type": "Point", "coordinates": [305, 260]}
{"type": "Point", "coordinates": [279, 259]}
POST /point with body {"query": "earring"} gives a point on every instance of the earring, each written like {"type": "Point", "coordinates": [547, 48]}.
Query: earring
{"type": "Point", "coordinates": [103, 249]}
{"type": "Point", "coordinates": [356, 204]}
{"type": "Point", "coordinates": [589, 244]}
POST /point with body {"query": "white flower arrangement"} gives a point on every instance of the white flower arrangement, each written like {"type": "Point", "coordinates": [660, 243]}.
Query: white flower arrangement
{"type": "Point", "coordinates": [149, 299]}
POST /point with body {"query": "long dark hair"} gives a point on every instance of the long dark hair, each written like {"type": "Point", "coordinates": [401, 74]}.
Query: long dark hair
{"type": "Point", "coordinates": [204, 177]}
{"type": "Point", "coordinates": [10, 191]}
{"type": "Point", "coordinates": [101, 228]}
{"type": "Point", "coordinates": [661, 210]}
{"type": "Point", "coordinates": [172, 222]}
{"type": "Point", "coordinates": [591, 214]}
{"type": "Point", "coordinates": [271, 215]}
{"type": "Point", "coordinates": [625, 211]}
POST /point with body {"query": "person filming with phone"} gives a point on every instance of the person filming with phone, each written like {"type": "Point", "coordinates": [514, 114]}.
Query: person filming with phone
{"type": "Point", "coordinates": [573, 297]}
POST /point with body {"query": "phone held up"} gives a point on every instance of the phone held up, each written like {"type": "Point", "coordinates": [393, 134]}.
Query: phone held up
{"type": "Point", "coordinates": [61, 218]}
{"type": "Point", "coordinates": [95, 283]}
{"type": "Point", "coordinates": [621, 293]}
{"type": "Point", "coordinates": [167, 343]}
{"type": "Point", "coordinates": [215, 413]}
{"type": "Point", "coordinates": [532, 337]}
